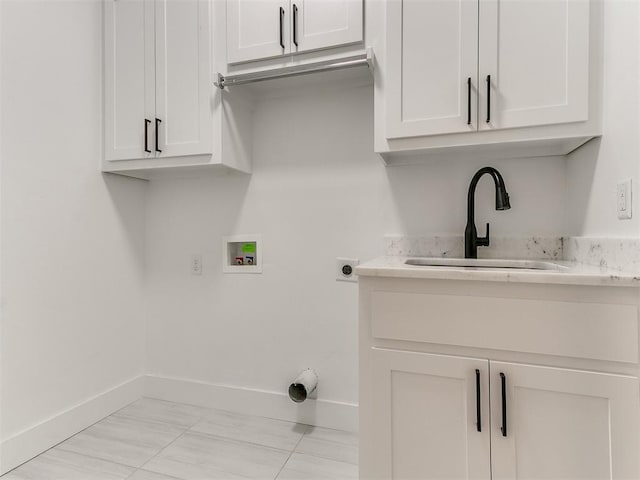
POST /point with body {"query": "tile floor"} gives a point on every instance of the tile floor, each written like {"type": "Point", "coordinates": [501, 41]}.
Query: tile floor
{"type": "Point", "coordinates": [157, 440]}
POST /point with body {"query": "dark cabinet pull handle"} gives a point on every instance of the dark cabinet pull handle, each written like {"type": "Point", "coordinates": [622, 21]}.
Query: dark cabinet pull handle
{"type": "Point", "coordinates": [146, 135]}
{"type": "Point", "coordinates": [469, 102]}
{"type": "Point", "coordinates": [503, 380]}
{"type": "Point", "coordinates": [295, 24]}
{"type": "Point", "coordinates": [488, 98]}
{"type": "Point", "coordinates": [282, 27]}
{"type": "Point", "coordinates": [157, 134]}
{"type": "Point", "coordinates": [478, 405]}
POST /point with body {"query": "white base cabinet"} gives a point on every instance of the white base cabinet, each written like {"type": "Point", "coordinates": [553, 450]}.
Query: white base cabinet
{"type": "Point", "coordinates": [437, 403]}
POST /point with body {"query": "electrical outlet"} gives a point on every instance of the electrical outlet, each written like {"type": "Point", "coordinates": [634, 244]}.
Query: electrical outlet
{"type": "Point", "coordinates": [345, 269]}
{"type": "Point", "coordinates": [196, 264]}
{"type": "Point", "coordinates": [623, 199]}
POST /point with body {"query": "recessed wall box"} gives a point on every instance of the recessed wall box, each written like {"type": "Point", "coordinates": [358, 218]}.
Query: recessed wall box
{"type": "Point", "coordinates": [242, 254]}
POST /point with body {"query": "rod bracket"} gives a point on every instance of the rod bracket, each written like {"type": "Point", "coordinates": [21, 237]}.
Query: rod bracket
{"type": "Point", "coordinates": [220, 82]}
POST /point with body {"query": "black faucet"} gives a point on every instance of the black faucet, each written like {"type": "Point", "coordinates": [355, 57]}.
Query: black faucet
{"type": "Point", "coordinates": [471, 239]}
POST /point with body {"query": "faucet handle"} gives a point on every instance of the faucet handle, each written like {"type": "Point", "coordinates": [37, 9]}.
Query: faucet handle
{"type": "Point", "coordinates": [484, 241]}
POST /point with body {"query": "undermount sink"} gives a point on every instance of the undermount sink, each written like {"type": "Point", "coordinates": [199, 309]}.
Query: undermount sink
{"type": "Point", "coordinates": [484, 263]}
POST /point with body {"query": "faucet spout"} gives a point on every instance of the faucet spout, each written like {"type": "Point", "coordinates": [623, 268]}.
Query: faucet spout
{"type": "Point", "coordinates": [471, 239]}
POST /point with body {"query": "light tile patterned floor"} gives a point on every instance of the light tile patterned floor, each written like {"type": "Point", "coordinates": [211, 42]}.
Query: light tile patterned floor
{"type": "Point", "coordinates": [157, 440]}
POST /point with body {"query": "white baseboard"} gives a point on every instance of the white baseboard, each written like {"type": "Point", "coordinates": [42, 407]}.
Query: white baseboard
{"type": "Point", "coordinates": [34, 440]}
{"type": "Point", "coordinates": [322, 413]}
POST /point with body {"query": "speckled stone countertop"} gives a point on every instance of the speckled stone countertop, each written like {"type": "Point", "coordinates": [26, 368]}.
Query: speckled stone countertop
{"type": "Point", "coordinates": [567, 273]}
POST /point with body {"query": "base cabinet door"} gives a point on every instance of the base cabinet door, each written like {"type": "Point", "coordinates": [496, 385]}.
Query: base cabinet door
{"type": "Point", "coordinates": [553, 423]}
{"type": "Point", "coordinates": [432, 418]}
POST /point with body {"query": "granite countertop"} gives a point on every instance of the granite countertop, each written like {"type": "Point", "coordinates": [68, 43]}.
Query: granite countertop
{"type": "Point", "coordinates": [568, 273]}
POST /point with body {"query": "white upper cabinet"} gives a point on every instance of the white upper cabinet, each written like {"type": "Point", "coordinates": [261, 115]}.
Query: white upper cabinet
{"type": "Point", "coordinates": [490, 78]}
{"type": "Point", "coordinates": [257, 29]}
{"type": "Point", "coordinates": [432, 49]}
{"type": "Point", "coordinates": [183, 86]}
{"type": "Point", "coordinates": [260, 29]}
{"type": "Point", "coordinates": [163, 113]}
{"type": "Point", "coordinates": [129, 78]}
{"type": "Point", "coordinates": [157, 79]}
{"type": "Point", "coordinates": [318, 24]}
{"type": "Point", "coordinates": [534, 62]}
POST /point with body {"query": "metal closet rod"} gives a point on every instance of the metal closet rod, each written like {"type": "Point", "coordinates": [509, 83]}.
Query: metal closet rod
{"type": "Point", "coordinates": [364, 59]}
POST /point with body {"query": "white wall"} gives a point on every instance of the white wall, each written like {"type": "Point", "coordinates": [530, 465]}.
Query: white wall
{"type": "Point", "coordinates": [317, 193]}
{"type": "Point", "coordinates": [72, 240]}
{"type": "Point", "coordinates": [594, 170]}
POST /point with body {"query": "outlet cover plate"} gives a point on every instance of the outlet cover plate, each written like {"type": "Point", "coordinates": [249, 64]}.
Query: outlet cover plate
{"type": "Point", "coordinates": [196, 264]}
{"type": "Point", "coordinates": [623, 199]}
{"type": "Point", "coordinates": [345, 269]}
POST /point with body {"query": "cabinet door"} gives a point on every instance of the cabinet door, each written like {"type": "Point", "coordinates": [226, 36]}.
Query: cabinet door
{"type": "Point", "coordinates": [426, 411]}
{"type": "Point", "coordinates": [431, 67]}
{"type": "Point", "coordinates": [536, 54]}
{"type": "Point", "coordinates": [563, 424]}
{"type": "Point", "coordinates": [183, 77]}
{"type": "Point", "coordinates": [325, 23]}
{"type": "Point", "coordinates": [129, 78]}
{"type": "Point", "coordinates": [257, 29]}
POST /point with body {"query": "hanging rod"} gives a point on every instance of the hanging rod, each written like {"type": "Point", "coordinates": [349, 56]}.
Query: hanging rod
{"type": "Point", "coordinates": [363, 59]}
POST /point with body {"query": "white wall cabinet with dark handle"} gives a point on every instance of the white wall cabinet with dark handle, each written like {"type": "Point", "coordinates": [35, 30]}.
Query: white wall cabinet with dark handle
{"type": "Point", "coordinates": [157, 91]}
{"type": "Point", "coordinates": [261, 29]}
{"type": "Point", "coordinates": [535, 70]}
{"type": "Point", "coordinates": [162, 111]}
{"type": "Point", "coordinates": [533, 56]}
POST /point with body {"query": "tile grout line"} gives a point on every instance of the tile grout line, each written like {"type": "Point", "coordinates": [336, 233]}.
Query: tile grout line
{"type": "Point", "coordinates": [84, 455]}
{"type": "Point", "coordinates": [235, 440]}
{"type": "Point", "coordinates": [171, 477]}
{"type": "Point", "coordinates": [187, 429]}
{"type": "Point", "coordinates": [327, 458]}
{"type": "Point", "coordinates": [115, 414]}
{"type": "Point", "coordinates": [292, 452]}
{"type": "Point", "coordinates": [93, 457]}
{"type": "Point", "coordinates": [245, 442]}
{"type": "Point", "coordinates": [200, 419]}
